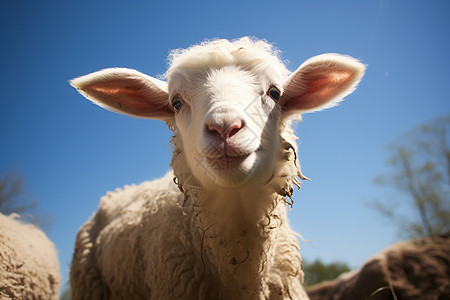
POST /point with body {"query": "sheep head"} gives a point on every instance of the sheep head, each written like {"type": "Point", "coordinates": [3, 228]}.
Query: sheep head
{"type": "Point", "coordinates": [228, 102]}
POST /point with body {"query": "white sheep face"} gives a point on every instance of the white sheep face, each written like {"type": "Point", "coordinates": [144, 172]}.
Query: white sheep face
{"type": "Point", "coordinates": [226, 100]}
{"type": "Point", "coordinates": [229, 128]}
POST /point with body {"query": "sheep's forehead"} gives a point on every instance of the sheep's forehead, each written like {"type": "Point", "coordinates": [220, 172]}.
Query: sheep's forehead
{"type": "Point", "coordinates": [220, 84]}
{"type": "Point", "coordinates": [224, 81]}
{"type": "Point", "coordinates": [231, 85]}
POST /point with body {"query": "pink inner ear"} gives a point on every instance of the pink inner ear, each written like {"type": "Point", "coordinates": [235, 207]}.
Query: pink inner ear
{"type": "Point", "coordinates": [328, 82]}
{"type": "Point", "coordinates": [127, 99]}
{"type": "Point", "coordinates": [116, 91]}
{"type": "Point", "coordinates": [132, 98]}
{"type": "Point", "coordinates": [321, 86]}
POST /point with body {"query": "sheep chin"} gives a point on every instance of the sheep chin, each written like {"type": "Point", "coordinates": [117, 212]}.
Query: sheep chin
{"type": "Point", "coordinates": [227, 172]}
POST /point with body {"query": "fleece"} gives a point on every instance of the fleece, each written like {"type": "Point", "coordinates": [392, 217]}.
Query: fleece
{"type": "Point", "coordinates": [29, 266]}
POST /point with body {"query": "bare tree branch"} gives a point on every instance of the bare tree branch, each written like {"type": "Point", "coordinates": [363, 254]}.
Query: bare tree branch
{"type": "Point", "coordinates": [420, 164]}
{"type": "Point", "coordinates": [14, 199]}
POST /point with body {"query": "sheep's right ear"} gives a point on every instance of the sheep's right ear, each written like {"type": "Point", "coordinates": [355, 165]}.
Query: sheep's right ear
{"type": "Point", "coordinates": [127, 92]}
{"type": "Point", "coordinates": [321, 82]}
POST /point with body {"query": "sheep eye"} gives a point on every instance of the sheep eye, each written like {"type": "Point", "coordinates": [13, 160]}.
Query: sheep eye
{"type": "Point", "coordinates": [274, 93]}
{"type": "Point", "coordinates": [177, 103]}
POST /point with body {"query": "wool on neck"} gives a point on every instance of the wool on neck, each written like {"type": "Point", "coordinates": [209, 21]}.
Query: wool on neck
{"type": "Point", "coordinates": [237, 229]}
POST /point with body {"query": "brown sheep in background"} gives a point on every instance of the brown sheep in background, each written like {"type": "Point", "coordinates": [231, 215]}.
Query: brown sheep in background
{"type": "Point", "coordinates": [418, 269]}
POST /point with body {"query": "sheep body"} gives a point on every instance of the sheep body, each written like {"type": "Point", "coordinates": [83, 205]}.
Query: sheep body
{"type": "Point", "coordinates": [29, 266]}
{"type": "Point", "coordinates": [418, 269]}
{"type": "Point", "coordinates": [216, 227]}
{"type": "Point", "coordinates": [139, 223]}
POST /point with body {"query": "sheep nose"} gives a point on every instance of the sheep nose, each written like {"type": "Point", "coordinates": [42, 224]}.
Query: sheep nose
{"type": "Point", "coordinates": [226, 130]}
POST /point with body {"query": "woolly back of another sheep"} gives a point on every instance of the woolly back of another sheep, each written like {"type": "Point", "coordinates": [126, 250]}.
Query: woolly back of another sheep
{"type": "Point", "coordinates": [28, 262]}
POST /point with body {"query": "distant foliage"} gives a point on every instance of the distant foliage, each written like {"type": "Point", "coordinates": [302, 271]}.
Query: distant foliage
{"type": "Point", "coordinates": [420, 176]}
{"type": "Point", "coordinates": [65, 294]}
{"type": "Point", "coordinates": [317, 271]}
{"type": "Point", "coordinates": [14, 199]}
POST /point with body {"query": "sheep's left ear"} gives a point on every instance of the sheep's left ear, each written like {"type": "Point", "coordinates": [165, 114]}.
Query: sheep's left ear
{"type": "Point", "coordinates": [321, 82]}
{"type": "Point", "coordinates": [127, 92]}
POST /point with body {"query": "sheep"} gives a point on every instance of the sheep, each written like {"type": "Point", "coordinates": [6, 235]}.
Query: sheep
{"type": "Point", "coordinates": [216, 226]}
{"type": "Point", "coordinates": [29, 266]}
{"type": "Point", "coordinates": [418, 269]}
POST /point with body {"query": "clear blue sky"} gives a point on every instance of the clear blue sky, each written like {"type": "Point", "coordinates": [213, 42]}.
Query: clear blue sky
{"type": "Point", "coordinates": [71, 152]}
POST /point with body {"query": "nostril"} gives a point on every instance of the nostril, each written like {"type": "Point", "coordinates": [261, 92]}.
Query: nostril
{"type": "Point", "coordinates": [234, 128]}
{"type": "Point", "coordinates": [215, 129]}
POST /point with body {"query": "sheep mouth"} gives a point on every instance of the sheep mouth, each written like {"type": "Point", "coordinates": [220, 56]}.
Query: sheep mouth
{"type": "Point", "coordinates": [226, 162]}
